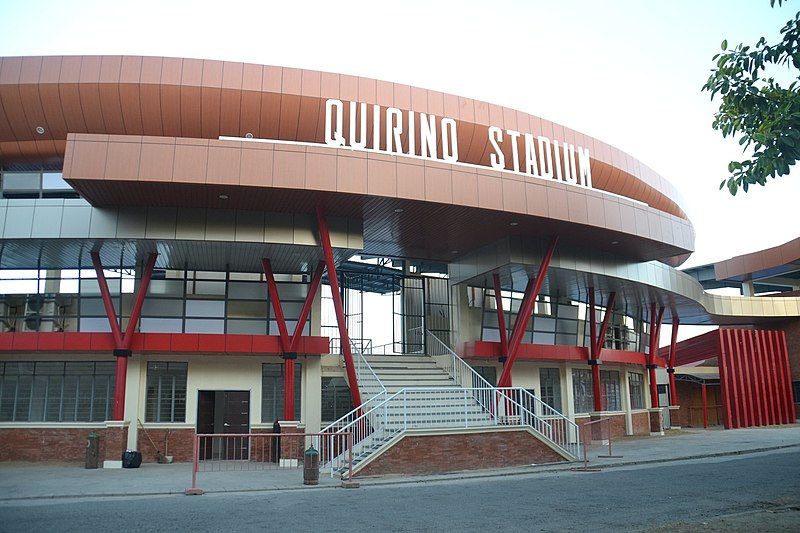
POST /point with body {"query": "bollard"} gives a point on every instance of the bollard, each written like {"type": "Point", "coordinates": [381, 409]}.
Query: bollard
{"type": "Point", "coordinates": [311, 467]}
{"type": "Point", "coordinates": [93, 450]}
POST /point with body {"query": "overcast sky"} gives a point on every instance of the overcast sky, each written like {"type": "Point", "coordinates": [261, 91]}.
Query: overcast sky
{"type": "Point", "coordinates": [627, 72]}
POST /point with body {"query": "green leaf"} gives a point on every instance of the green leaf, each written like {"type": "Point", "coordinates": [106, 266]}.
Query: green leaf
{"type": "Point", "coordinates": [725, 44]}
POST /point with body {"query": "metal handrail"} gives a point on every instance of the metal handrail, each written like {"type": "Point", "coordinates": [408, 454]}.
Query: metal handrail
{"type": "Point", "coordinates": [459, 370]}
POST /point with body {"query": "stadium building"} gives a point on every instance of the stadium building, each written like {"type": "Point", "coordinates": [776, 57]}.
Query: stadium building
{"type": "Point", "coordinates": [192, 246]}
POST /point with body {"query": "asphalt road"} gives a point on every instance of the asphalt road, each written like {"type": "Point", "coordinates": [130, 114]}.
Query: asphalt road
{"type": "Point", "coordinates": [633, 498]}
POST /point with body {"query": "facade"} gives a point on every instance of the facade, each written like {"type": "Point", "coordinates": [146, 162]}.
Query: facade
{"type": "Point", "coordinates": [186, 246]}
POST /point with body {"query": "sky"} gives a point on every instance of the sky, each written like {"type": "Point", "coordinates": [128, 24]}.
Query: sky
{"type": "Point", "coordinates": [628, 72]}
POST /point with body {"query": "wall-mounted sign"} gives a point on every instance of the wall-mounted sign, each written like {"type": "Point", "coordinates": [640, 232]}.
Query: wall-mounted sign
{"type": "Point", "coordinates": [539, 156]}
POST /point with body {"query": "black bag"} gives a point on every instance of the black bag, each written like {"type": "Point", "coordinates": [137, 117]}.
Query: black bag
{"type": "Point", "coordinates": [131, 459]}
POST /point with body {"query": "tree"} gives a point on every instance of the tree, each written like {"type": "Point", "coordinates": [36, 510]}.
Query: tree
{"type": "Point", "coordinates": [765, 115]}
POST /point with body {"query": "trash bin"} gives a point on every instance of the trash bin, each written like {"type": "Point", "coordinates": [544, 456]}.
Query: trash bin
{"type": "Point", "coordinates": [276, 442]}
{"type": "Point", "coordinates": [131, 459]}
{"type": "Point", "coordinates": [311, 467]}
{"type": "Point", "coordinates": [93, 450]}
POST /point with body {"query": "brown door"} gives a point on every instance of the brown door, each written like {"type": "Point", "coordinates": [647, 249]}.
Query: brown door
{"type": "Point", "coordinates": [224, 412]}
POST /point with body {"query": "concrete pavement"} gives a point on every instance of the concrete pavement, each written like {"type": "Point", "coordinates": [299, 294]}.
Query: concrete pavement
{"type": "Point", "coordinates": [31, 481]}
{"type": "Point", "coordinates": [753, 492]}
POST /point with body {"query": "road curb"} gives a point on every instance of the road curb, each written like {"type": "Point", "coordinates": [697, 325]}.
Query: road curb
{"type": "Point", "coordinates": [366, 482]}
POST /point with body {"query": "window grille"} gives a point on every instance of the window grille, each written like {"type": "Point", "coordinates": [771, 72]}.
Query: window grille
{"type": "Point", "coordinates": [636, 386]}
{"type": "Point", "coordinates": [54, 391]}
{"type": "Point", "coordinates": [609, 385]}
{"type": "Point", "coordinates": [336, 400]}
{"type": "Point", "coordinates": [166, 392]}
{"type": "Point", "coordinates": [272, 391]}
{"type": "Point", "coordinates": [550, 385]}
{"type": "Point", "coordinates": [582, 390]}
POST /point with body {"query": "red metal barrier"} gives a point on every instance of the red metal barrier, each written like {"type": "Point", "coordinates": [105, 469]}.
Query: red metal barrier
{"type": "Point", "coordinates": [226, 452]}
{"type": "Point", "coordinates": [596, 430]}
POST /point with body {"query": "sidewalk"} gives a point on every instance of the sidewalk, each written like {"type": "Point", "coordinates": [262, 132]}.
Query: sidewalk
{"type": "Point", "coordinates": [30, 481]}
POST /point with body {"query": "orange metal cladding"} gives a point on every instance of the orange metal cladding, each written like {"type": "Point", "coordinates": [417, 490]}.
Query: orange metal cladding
{"type": "Point", "coordinates": [176, 97]}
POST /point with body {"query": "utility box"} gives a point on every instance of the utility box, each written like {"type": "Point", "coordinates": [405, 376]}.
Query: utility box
{"type": "Point", "coordinates": [93, 450]}
{"type": "Point", "coordinates": [311, 467]}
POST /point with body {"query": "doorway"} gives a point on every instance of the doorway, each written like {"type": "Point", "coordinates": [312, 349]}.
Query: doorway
{"type": "Point", "coordinates": [223, 412]}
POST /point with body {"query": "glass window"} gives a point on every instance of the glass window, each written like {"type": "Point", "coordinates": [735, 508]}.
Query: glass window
{"type": "Point", "coordinates": [54, 391]}
{"type": "Point", "coordinates": [54, 181]}
{"type": "Point", "coordinates": [166, 392]}
{"type": "Point", "coordinates": [550, 385]}
{"type": "Point", "coordinates": [636, 386]}
{"type": "Point", "coordinates": [336, 400]}
{"type": "Point", "coordinates": [272, 391]}
{"type": "Point", "coordinates": [582, 390]}
{"type": "Point", "coordinates": [489, 373]}
{"type": "Point", "coordinates": [609, 386]}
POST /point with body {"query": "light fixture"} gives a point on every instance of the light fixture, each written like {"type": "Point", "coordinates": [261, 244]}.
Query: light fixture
{"type": "Point", "coordinates": [223, 196]}
{"type": "Point", "coordinates": [615, 242]}
{"type": "Point", "coordinates": [40, 130]}
{"type": "Point", "coordinates": [248, 135]}
{"type": "Point", "coordinates": [453, 251]}
{"type": "Point", "coordinates": [398, 210]}
{"type": "Point", "coordinates": [513, 223]}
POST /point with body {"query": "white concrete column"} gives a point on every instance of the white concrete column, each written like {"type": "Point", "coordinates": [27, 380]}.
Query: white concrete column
{"type": "Point", "coordinates": [566, 392]}
{"type": "Point", "coordinates": [311, 392]}
{"type": "Point", "coordinates": [625, 392]}
{"type": "Point", "coordinates": [134, 404]}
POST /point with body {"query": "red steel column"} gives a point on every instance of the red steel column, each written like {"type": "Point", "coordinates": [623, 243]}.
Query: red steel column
{"type": "Point", "coordinates": [780, 410]}
{"type": "Point", "coordinates": [501, 317]}
{"type": "Point", "coordinates": [597, 395]}
{"type": "Point", "coordinates": [673, 353]}
{"type": "Point", "coordinates": [787, 377]}
{"type": "Point", "coordinates": [758, 398]}
{"type": "Point", "coordinates": [779, 376]}
{"type": "Point", "coordinates": [748, 374]}
{"type": "Point", "coordinates": [766, 378]}
{"type": "Point", "coordinates": [655, 329]}
{"type": "Point", "coordinates": [336, 296]}
{"type": "Point", "coordinates": [724, 376]}
{"type": "Point", "coordinates": [288, 356]}
{"type": "Point", "coordinates": [108, 304]}
{"type": "Point", "coordinates": [304, 312]}
{"type": "Point", "coordinates": [525, 314]}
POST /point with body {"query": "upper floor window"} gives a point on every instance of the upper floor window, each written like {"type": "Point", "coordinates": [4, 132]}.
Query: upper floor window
{"type": "Point", "coordinates": [38, 184]}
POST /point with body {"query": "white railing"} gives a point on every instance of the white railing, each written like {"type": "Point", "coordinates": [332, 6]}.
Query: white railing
{"type": "Point", "coordinates": [369, 384]}
{"type": "Point", "coordinates": [451, 408]}
{"type": "Point", "coordinates": [564, 432]}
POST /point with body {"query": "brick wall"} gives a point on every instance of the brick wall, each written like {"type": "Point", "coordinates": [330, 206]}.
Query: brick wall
{"type": "Point", "coordinates": [180, 445]}
{"type": "Point", "coordinates": [59, 444]}
{"type": "Point", "coordinates": [617, 425]}
{"type": "Point", "coordinates": [430, 454]}
{"type": "Point", "coordinates": [641, 423]}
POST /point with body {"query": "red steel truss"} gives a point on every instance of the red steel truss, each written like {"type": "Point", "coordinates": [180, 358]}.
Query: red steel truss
{"type": "Point", "coordinates": [597, 341]}
{"type": "Point", "coordinates": [525, 311]}
{"type": "Point", "coordinates": [289, 345]}
{"type": "Point", "coordinates": [122, 342]}
{"type": "Point", "coordinates": [655, 331]}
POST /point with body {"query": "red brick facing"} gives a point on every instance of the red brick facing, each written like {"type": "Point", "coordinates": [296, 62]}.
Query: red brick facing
{"type": "Point", "coordinates": [617, 424]}
{"type": "Point", "coordinates": [180, 444]}
{"type": "Point", "coordinates": [431, 454]}
{"type": "Point", "coordinates": [641, 423]}
{"type": "Point", "coordinates": [59, 444]}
